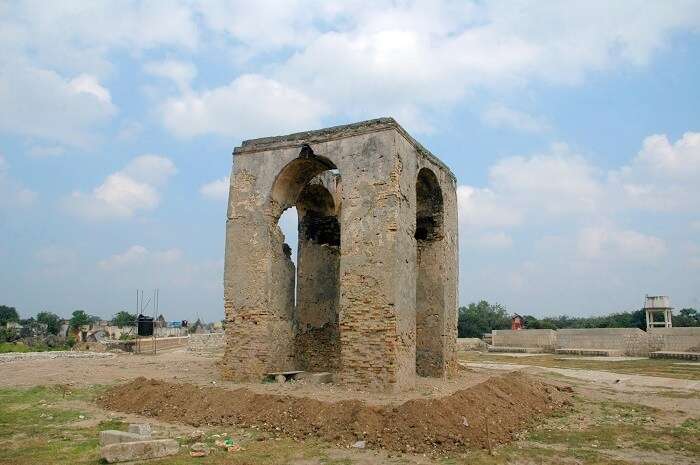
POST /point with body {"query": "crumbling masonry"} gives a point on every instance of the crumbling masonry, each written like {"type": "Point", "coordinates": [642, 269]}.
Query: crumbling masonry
{"type": "Point", "coordinates": [374, 295]}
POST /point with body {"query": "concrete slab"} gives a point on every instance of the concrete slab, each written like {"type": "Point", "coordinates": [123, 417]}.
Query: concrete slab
{"type": "Point", "coordinates": [679, 355]}
{"type": "Point", "coordinates": [590, 352]}
{"type": "Point", "coordinates": [115, 437]}
{"type": "Point", "coordinates": [604, 359]}
{"type": "Point", "coordinates": [515, 350]}
{"type": "Point", "coordinates": [316, 378]}
{"type": "Point", "coordinates": [143, 429]}
{"type": "Point", "coordinates": [142, 450]}
{"type": "Point", "coordinates": [516, 355]}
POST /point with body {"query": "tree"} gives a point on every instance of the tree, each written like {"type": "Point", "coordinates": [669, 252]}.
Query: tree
{"type": "Point", "coordinates": [477, 319]}
{"type": "Point", "coordinates": [8, 315]}
{"type": "Point", "coordinates": [51, 320]}
{"type": "Point", "coordinates": [687, 317]}
{"type": "Point", "coordinates": [124, 318]}
{"type": "Point", "coordinates": [80, 318]}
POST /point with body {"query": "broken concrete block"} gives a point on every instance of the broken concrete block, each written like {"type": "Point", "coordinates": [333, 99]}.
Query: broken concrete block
{"type": "Point", "coordinates": [316, 378]}
{"type": "Point", "coordinates": [141, 450]}
{"type": "Point", "coordinates": [114, 437]}
{"type": "Point", "coordinates": [144, 429]}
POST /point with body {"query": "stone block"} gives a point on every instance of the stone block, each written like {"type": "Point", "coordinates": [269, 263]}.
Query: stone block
{"type": "Point", "coordinates": [316, 378]}
{"type": "Point", "coordinates": [114, 437]}
{"type": "Point", "coordinates": [141, 450]}
{"type": "Point", "coordinates": [144, 429]}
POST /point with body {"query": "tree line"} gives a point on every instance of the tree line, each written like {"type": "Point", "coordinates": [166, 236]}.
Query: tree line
{"type": "Point", "coordinates": [476, 319]}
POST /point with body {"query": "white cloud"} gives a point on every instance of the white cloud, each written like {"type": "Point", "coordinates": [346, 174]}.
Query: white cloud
{"type": "Point", "coordinates": [86, 84]}
{"type": "Point", "coordinates": [483, 208]}
{"type": "Point", "coordinates": [78, 36]}
{"type": "Point", "coordinates": [490, 240]}
{"type": "Point", "coordinates": [41, 103]}
{"type": "Point", "coordinates": [663, 176]}
{"type": "Point", "coordinates": [433, 54]}
{"type": "Point", "coordinates": [501, 116]}
{"type": "Point", "coordinates": [250, 106]}
{"type": "Point", "coordinates": [139, 266]}
{"type": "Point", "coordinates": [217, 189]}
{"type": "Point", "coordinates": [138, 255]}
{"type": "Point", "coordinates": [129, 130]}
{"type": "Point", "coordinates": [41, 151]}
{"type": "Point", "coordinates": [150, 169]}
{"type": "Point", "coordinates": [180, 72]}
{"type": "Point", "coordinates": [13, 194]}
{"type": "Point", "coordinates": [124, 193]}
{"type": "Point", "coordinates": [613, 244]}
{"type": "Point", "coordinates": [559, 182]}
{"type": "Point", "coordinates": [553, 184]}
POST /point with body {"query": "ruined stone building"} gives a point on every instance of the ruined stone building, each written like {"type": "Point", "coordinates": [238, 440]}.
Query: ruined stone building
{"type": "Point", "coordinates": [374, 295]}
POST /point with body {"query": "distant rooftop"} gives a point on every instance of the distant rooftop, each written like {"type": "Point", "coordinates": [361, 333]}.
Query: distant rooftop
{"type": "Point", "coordinates": [335, 132]}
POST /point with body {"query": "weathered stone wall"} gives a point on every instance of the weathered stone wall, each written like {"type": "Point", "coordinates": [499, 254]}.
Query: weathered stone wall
{"type": "Point", "coordinates": [317, 340]}
{"type": "Point", "coordinates": [470, 343]}
{"type": "Point", "coordinates": [378, 164]}
{"type": "Point", "coordinates": [677, 339]}
{"type": "Point", "coordinates": [206, 342]}
{"type": "Point", "coordinates": [545, 339]}
{"type": "Point", "coordinates": [631, 341]}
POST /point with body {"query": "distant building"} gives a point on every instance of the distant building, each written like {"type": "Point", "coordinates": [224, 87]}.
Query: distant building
{"type": "Point", "coordinates": [659, 306]}
{"type": "Point", "coordinates": [517, 322]}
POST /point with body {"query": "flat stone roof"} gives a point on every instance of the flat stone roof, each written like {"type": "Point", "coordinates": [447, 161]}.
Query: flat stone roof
{"type": "Point", "coordinates": [336, 132]}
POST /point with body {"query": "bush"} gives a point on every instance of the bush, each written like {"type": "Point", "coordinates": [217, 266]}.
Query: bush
{"type": "Point", "coordinates": [477, 319]}
{"type": "Point", "coordinates": [8, 315]}
{"type": "Point", "coordinates": [124, 318]}
{"type": "Point", "coordinates": [79, 318]}
{"type": "Point", "coordinates": [51, 320]}
{"type": "Point", "coordinates": [8, 335]}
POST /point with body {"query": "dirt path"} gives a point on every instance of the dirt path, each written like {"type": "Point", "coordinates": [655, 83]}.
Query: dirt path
{"type": "Point", "coordinates": [676, 396]}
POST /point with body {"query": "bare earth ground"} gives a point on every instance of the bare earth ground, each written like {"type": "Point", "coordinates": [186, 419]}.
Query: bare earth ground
{"type": "Point", "coordinates": [49, 413]}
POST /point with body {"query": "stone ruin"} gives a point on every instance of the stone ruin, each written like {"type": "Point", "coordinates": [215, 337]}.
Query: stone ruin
{"type": "Point", "coordinates": [373, 298]}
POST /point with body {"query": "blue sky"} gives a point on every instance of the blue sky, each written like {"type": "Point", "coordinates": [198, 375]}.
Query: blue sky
{"type": "Point", "coordinates": [573, 129]}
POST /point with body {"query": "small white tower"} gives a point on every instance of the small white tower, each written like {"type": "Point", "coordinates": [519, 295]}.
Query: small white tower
{"type": "Point", "coordinates": [656, 304]}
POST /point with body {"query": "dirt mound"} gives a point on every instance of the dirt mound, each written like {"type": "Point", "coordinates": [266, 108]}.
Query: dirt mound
{"type": "Point", "coordinates": [454, 422]}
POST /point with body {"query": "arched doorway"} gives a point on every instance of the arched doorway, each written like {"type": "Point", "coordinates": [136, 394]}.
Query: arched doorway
{"type": "Point", "coordinates": [310, 290]}
{"type": "Point", "coordinates": [429, 276]}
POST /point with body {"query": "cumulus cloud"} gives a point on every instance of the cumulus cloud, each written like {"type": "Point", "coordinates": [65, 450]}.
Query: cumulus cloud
{"type": "Point", "coordinates": [664, 176]}
{"type": "Point", "coordinates": [552, 184]}
{"type": "Point", "coordinates": [483, 208]}
{"type": "Point", "coordinates": [250, 106]}
{"type": "Point", "coordinates": [561, 192]}
{"type": "Point", "coordinates": [41, 103]}
{"type": "Point", "coordinates": [139, 255]}
{"type": "Point", "coordinates": [13, 194]}
{"type": "Point", "coordinates": [126, 192]}
{"type": "Point", "coordinates": [179, 72]}
{"type": "Point", "coordinates": [217, 189]}
{"type": "Point", "coordinates": [346, 59]}
{"type": "Point", "coordinates": [169, 269]}
{"type": "Point", "coordinates": [615, 244]}
{"type": "Point", "coordinates": [501, 116]}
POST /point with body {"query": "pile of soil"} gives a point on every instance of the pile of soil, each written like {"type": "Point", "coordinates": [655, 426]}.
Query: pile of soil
{"type": "Point", "coordinates": [455, 422]}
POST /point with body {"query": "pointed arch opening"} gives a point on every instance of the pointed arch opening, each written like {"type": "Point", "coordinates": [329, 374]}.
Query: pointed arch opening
{"type": "Point", "coordinates": [311, 185]}
{"type": "Point", "coordinates": [429, 273]}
